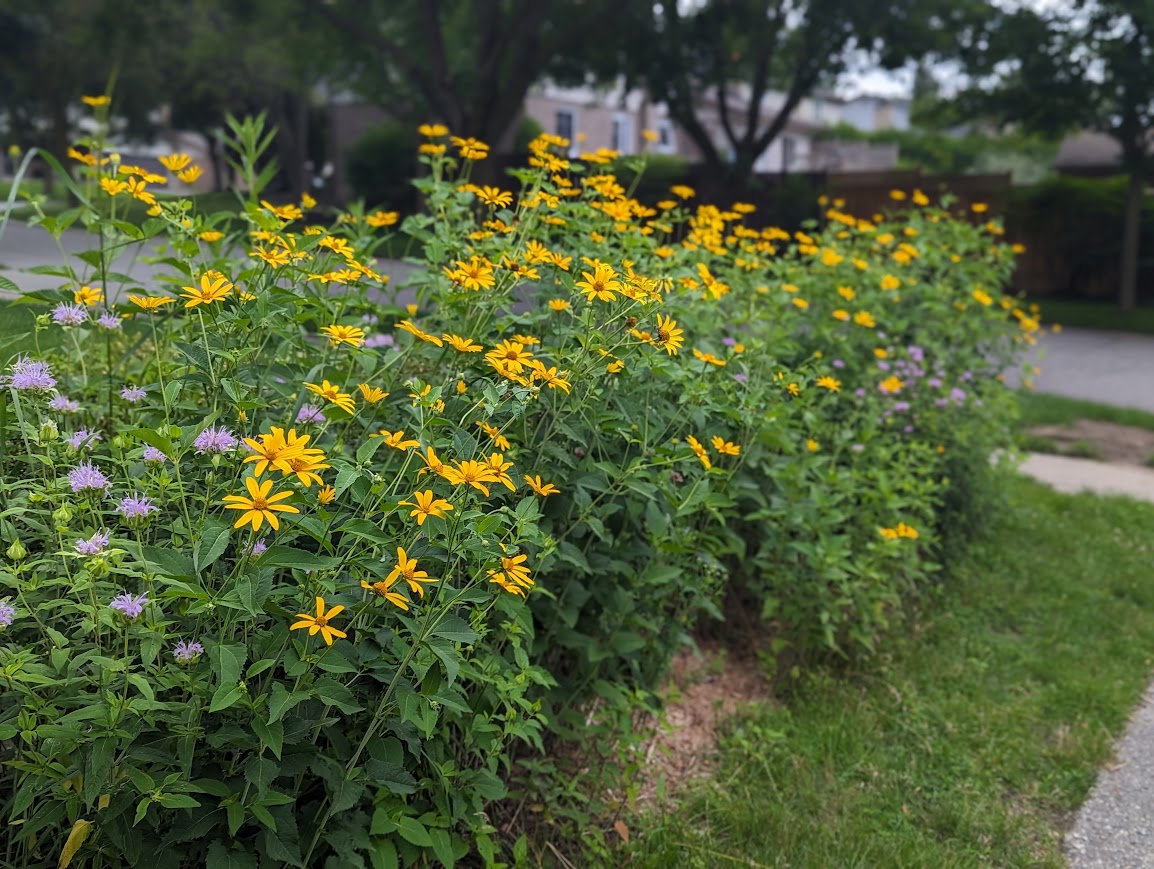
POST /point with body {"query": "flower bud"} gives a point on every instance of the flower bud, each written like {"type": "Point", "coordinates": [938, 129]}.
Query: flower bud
{"type": "Point", "coordinates": [49, 431]}
{"type": "Point", "coordinates": [62, 515]}
{"type": "Point", "coordinates": [16, 551]}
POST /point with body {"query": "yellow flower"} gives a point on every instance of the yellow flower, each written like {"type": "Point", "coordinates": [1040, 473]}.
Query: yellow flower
{"type": "Point", "coordinates": [812, 445]}
{"type": "Point", "coordinates": [724, 447]}
{"type": "Point", "coordinates": [841, 314]}
{"type": "Point", "coordinates": [462, 345]}
{"type": "Point", "coordinates": [541, 488]}
{"type": "Point", "coordinates": [275, 257]}
{"type": "Point", "coordinates": [96, 102]}
{"type": "Point", "coordinates": [615, 367]}
{"type": "Point", "coordinates": [470, 148]}
{"type": "Point", "coordinates": [983, 297]}
{"type": "Point", "coordinates": [150, 303]}
{"type": "Point", "coordinates": [892, 385]}
{"type": "Point", "coordinates": [189, 175]}
{"type": "Point", "coordinates": [87, 295]}
{"type": "Point", "coordinates": [136, 188]}
{"type": "Point", "coordinates": [354, 336]}
{"type": "Point", "coordinates": [320, 622]}
{"type": "Point", "coordinates": [864, 318]}
{"type": "Point", "coordinates": [274, 448]}
{"type": "Point", "coordinates": [259, 506]}
{"type": "Point", "coordinates": [372, 394]}
{"type": "Point", "coordinates": [307, 202]}
{"type": "Point", "coordinates": [920, 198]}
{"type": "Point", "coordinates": [889, 282]}
{"type": "Point", "coordinates": [793, 389]}
{"type": "Point", "coordinates": [681, 191]}
{"type": "Point", "coordinates": [174, 162]}
{"type": "Point", "coordinates": [549, 376]}
{"type": "Point", "coordinates": [668, 335]}
{"type": "Point", "coordinates": [494, 434]}
{"type": "Point", "coordinates": [494, 196]}
{"type": "Point", "coordinates": [470, 473]}
{"type": "Point", "coordinates": [512, 355]}
{"type": "Point", "coordinates": [558, 304]}
{"type": "Point", "coordinates": [708, 357]}
{"type": "Point", "coordinates": [897, 195]}
{"type": "Point", "coordinates": [800, 303]}
{"type": "Point", "coordinates": [426, 504]}
{"type": "Point", "coordinates": [499, 467]}
{"type": "Point", "coordinates": [213, 287]}
{"type": "Point", "coordinates": [599, 284]}
{"type": "Point", "coordinates": [396, 439]}
{"type": "Point", "coordinates": [383, 589]}
{"type": "Point", "coordinates": [326, 495]}
{"type": "Point", "coordinates": [979, 208]}
{"type": "Point", "coordinates": [433, 131]}
{"type": "Point", "coordinates": [881, 352]}
{"type": "Point", "coordinates": [113, 187]}
{"type": "Point", "coordinates": [827, 382]}
{"type": "Point", "coordinates": [700, 451]}
{"type": "Point", "coordinates": [830, 257]}
{"type": "Point", "coordinates": [211, 235]}
{"type": "Point", "coordinates": [513, 576]}
{"type": "Point", "coordinates": [406, 569]}
{"type": "Point", "coordinates": [284, 212]}
{"type": "Point", "coordinates": [430, 148]}
{"type": "Point", "coordinates": [305, 465]}
{"type": "Point", "coordinates": [418, 332]}
{"type": "Point", "coordinates": [380, 219]}
{"type": "Point", "coordinates": [332, 392]}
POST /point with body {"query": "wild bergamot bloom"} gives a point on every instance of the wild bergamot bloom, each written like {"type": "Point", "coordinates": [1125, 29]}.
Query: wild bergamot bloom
{"type": "Point", "coordinates": [213, 287]}
{"type": "Point", "coordinates": [406, 569]}
{"type": "Point", "coordinates": [600, 284]}
{"type": "Point", "coordinates": [332, 392]}
{"type": "Point", "coordinates": [354, 336]}
{"type": "Point", "coordinates": [426, 504]}
{"type": "Point", "coordinates": [320, 622]}
{"type": "Point", "coordinates": [260, 506]}
{"type": "Point", "coordinates": [541, 488]}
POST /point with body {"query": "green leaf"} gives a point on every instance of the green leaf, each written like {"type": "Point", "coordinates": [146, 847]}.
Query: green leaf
{"type": "Point", "coordinates": [333, 693]}
{"type": "Point", "coordinates": [170, 562]}
{"type": "Point", "coordinates": [220, 858]}
{"type": "Point", "coordinates": [155, 439]}
{"type": "Point", "coordinates": [271, 735]}
{"type": "Point", "coordinates": [141, 810]}
{"type": "Point", "coordinates": [281, 701]}
{"type": "Point", "coordinates": [414, 831]}
{"type": "Point", "coordinates": [211, 544]}
{"type": "Point", "coordinates": [225, 697]}
{"type": "Point", "coordinates": [253, 590]}
{"type": "Point", "coordinates": [366, 450]}
{"type": "Point", "coordinates": [346, 794]}
{"type": "Point", "coordinates": [456, 629]}
{"type": "Point", "coordinates": [287, 556]}
{"type": "Point", "coordinates": [346, 477]}
{"type": "Point", "coordinates": [261, 772]}
{"type": "Point", "coordinates": [392, 775]}
{"type": "Point", "coordinates": [443, 847]}
{"type": "Point", "coordinates": [227, 661]}
{"type": "Point", "coordinates": [96, 767]}
{"type": "Point", "coordinates": [383, 855]}
{"type": "Point", "coordinates": [178, 801]}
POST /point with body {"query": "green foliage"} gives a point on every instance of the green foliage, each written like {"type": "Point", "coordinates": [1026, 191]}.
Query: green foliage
{"type": "Point", "coordinates": [972, 739]}
{"type": "Point", "coordinates": [616, 411]}
{"type": "Point", "coordinates": [381, 164]}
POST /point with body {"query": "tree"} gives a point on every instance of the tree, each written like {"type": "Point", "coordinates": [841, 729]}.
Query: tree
{"type": "Point", "coordinates": [467, 63]}
{"type": "Point", "coordinates": [1062, 69]}
{"type": "Point", "coordinates": [727, 56]}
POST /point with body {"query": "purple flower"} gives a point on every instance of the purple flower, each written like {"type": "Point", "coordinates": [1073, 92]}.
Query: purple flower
{"type": "Point", "coordinates": [7, 613]}
{"type": "Point", "coordinates": [857, 448]}
{"type": "Point", "coordinates": [136, 506]}
{"type": "Point", "coordinates": [839, 363]}
{"type": "Point", "coordinates": [152, 454]}
{"type": "Point", "coordinates": [729, 342]}
{"type": "Point", "coordinates": [909, 429]}
{"type": "Point", "coordinates": [64, 404]}
{"type": "Point", "coordinates": [94, 545]}
{"type": "Point", "coordinates": [83, 438]}
{"type": "Point", "coordinates": [957, 395]}
{"type": "Point", "coordinates": [129, 605]}
{"type": "Point", "coordinates": [883, 365]}
{"type": "Point", "coordinates": [88, 478]}
{"type": "Point", "coordinates": [860, 392]}
{"type": "Point", "coordinates": [935, 382]}
{"type": "Point", "coordinates": [374, 341]}
{"type": "Point", "coordinates": [916, 353]}
{"type": "Point", "coordinates": [310, 413]}
{"type": "Point", "coordinates": [901, 406]}
{"type": "Point", "coordinates": [68, 314]}
{"type": "Point", "coordinates": [109, 320]}
{"type": "Point", "coordinates": [967, 375]}
{"type": "Point", "coordinates": [215, 440]}
{"type": "Point", "coordinates": [254, 549]}
{"type": "Point", "coordinates": [30, 376]}
{"type": "Point", "coordinates": [186, 652]}
{"type": "Point", "coordinates": [741, 378]}
{"type": "Point", "coordinates": [371, 319]}
{"type": "Point", "coordinates": [132, 394]}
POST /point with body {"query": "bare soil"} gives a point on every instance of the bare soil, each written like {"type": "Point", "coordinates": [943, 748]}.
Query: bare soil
{"type": "Point", "coordinates": [706, 687]}
{"type": "Point", "coordinates": [1113, 443]}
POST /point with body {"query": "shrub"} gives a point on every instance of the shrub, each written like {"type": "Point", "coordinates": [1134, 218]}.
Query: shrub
{"type": "Point", "coordinates": [257, 614]}
{"type": "Point", "coordinates": [380, 165]}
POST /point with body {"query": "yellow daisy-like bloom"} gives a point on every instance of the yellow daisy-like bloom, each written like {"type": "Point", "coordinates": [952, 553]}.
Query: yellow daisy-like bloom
{"type": "Point", "coordinates": [616, 366]}
{"type": "Point", "coordinates": [88, 296]}
{"type": "Point", "coordinates": [96, 102]}
{"type": "Point", "coordinates": [396, 439]}
{"type": "Point", "coordinates": [668, 336]}
{"type": "Point", "coordinates": [600, 284]}
{"type": "Point", "coordinates": [275, 257]}
{"type": "Point", "coordinates": [332, 392]}
{"type": "Point", "coordinates": [462, 345]}
{"type": "Point", "coordinates": [477, 274]}
{"type": "Point", "coordinates": [494, 197]}
{"type": "Point", "coordinates": [558, 304]}
{"type": "Point", "coordinates": [379, 219]}
{"type": "Point", "coordinates": [513, 576]}
{"type": "Point", "coordinates": [211, 235]}
{"type": "Point", "coordinates": [174, 162]}
{"type": "Point", "coordinates": [864, 318]}
{"type": "Point", "coordinates": [681, 191]}
{"type": "Point", "coordinates": [372, 394]}
{"type": "Point", "coordinates": [549, 376]}
{"type": "Point", "coordinates": [830, 383]}
{"type": "Point", "coordinates": [433, 131]}
{"type": "Point", "coordinates": [494, 434]}
{"type": "Point", "coordinates": [213, 288]}
{"type": "Point", "coordinates": [384, 590]}
{"type": "Point", "coordinates": [354, 336]}
{"type": "Point", "coordinates": [979, 208]}
{"type": "Point", "coordinates": [284, 212]}
{"type": "Point", "coordinates": [920, 198]}
{"type": "Point", "coordinates": [190, 174]}
{"type": "Point", "coordinates": [113, 187]}
{"type": "Point", "coordinates": [708, 357]}
{"type": "Point", "coordinates": [889, 282]}
{"type": "Point", "coordinates": [470, 148]}
{"type": "Point", "coordinates": [430, 148]}
{"type": "Point", "coordinates": [541, 488]}
{"type": "Point", "coordinates": [800, 303]}
{"type": "Point", "coordinates": [846, 293]}
{"type": "Point", "coordinates": [406, 569]}
{"type": "Point", "coordinates": [812, 445]}
{"type": "Point", "coordinates": [841, 314]}
{"type": "Point", "coordinates": [699, 451]}
{"type": "Point", "coordinates": [304, 466]}
{"type": "Point", "coordinates": [274, 449]}
{"type": "Point", "coordinates": [259, 506]}
{"type": "Point", "coordinates": [136, 189]}
{"type": "Point", "coordinates": [150, 303]}
{"type": "Point", "coordinates": [724, 447]}
{"type": "Point", "coordinates": [470, 473]}
{"type": "Point", "coordinates": [426, 504]}
{"type": "Point", "coordinates": [512, 355]}
{"type": "Point", "coordinates": [320, 622]}
{"type": "Point", "coordinates": [983, 297]}
{"type": "Point", "coordinates": [326, 495]}
{"type": "Point", "coordinates": [500, 468]}
{"type": "Point", "coordinates": [418, 332]}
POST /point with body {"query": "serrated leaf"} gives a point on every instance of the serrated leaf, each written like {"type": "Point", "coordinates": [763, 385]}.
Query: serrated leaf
{"type": "Point", "coordinates": [220, 858]}
{"type": "Point", "coordinates": [227, 661]}
{"type": "Point", "coordinates": [333, 693]}
{"type": "Point", "coordinates": [225, 697]}
{"type": "Point", "coordinates": [287, 556]}
{"type": "Point", "coordinates": [271, 735]}
{"type": "Point", "coordinates": [392, 775]}
{"type": "Point", "coordinates": [413, 831]}
{"type": "Point", "coordinates": [96, 767]}
{"type": "Point", "coordinates": [211, 544]}
{"type": "Point", "coordinates": [281, 701]}
{"type": "Point", "coordinates": [253, 590]}
{"type": "Point", "coordinates": [456, 629]}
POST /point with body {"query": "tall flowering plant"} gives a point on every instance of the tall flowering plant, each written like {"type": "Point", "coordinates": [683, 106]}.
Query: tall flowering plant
{"type": "Point", "coordinates": [304, 568]}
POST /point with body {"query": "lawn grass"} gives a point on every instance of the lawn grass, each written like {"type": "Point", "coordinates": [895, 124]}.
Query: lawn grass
{"type": "Point", "coordinates": [1042, 409]}
{"type": "Point", "coordinates": [972, 739]}
{"type": "Point", "coordinates": [1097, 315]}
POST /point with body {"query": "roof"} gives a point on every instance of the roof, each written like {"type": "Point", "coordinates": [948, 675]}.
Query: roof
{"type": "Point", "coordinates": [1088, 151]}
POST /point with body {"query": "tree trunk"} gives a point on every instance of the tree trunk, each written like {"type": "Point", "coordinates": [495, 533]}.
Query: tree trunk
{"type": "Point", "coordinates": [1128, 288]}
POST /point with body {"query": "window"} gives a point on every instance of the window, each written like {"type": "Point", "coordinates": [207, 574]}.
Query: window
{"type": "Point", "coordinates": [788, 152]}
{"type": "Point", "coordinates": [566, 123]}
{"type": "Point", "coordinates": [622, 136]}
